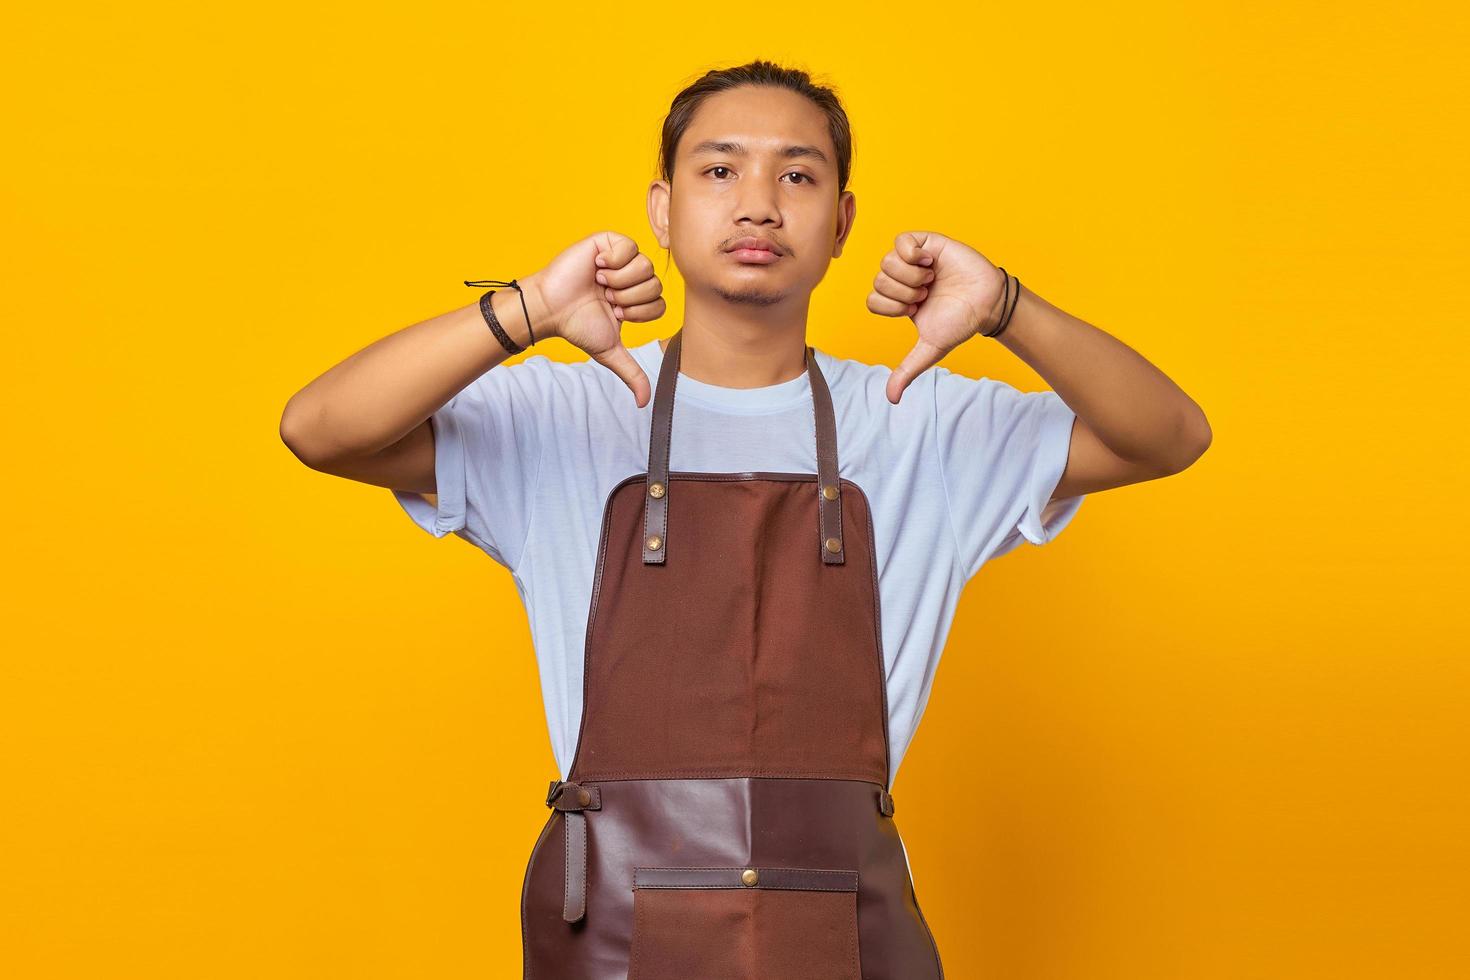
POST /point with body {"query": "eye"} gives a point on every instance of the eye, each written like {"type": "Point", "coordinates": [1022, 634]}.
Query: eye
{"type": "Point", "coordinates": [793, 173]}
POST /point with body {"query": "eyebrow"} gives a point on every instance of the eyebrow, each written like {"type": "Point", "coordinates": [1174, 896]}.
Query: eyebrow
{"type": "Point", "coordinates": [790, 152]}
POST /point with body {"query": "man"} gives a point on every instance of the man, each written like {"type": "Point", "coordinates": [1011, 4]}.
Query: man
{"type": "Point", "coordinates": [739, 594]}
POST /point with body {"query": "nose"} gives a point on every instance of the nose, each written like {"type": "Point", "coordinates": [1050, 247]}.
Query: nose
{"type": "Point", "coordinates": [759, 199]}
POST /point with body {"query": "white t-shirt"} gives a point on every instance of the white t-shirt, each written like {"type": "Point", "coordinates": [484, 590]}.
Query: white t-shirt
{"type": "Point", "coordinates": [957, 473]}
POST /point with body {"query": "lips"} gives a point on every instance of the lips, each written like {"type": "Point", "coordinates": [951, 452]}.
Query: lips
{"type": "Point", "coordinates": [755, 243]}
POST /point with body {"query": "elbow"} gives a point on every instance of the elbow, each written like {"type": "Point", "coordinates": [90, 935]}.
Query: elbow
{"type": "Point", "coordinates": [1195, 437]}
{"type": "Point", "coordinates": [295, 432]}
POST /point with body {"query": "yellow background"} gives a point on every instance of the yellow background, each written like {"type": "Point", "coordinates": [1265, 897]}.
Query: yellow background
{"type": "Point", "coordinates": [254, 723]}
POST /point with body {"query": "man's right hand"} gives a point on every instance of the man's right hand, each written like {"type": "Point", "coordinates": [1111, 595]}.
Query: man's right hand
{"type": "Point", "coordinates": [589, 314]}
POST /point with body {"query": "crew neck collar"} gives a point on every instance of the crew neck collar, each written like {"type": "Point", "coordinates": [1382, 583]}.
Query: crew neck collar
{"type": "Point", "coordinates": [736, 401]}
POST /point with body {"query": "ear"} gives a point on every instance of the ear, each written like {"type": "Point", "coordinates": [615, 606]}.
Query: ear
{"type": "Point", "coordinates": [846, 215]}
{"type": "Point", "coordinates": [658, 211]}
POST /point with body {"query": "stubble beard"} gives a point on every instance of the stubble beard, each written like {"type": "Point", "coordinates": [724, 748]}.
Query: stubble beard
{"type": "Point", "coordinates": [749, 296]}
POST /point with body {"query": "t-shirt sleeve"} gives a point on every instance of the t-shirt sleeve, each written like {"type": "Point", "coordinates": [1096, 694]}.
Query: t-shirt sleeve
{"type": "Point", "coordinates": [1001, 454]}
{"type": "Point", "coordinates": [488, 441]}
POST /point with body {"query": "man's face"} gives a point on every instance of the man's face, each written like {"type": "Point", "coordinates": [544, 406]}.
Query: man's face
{"type": "Point", "coordinates": [755, 161]}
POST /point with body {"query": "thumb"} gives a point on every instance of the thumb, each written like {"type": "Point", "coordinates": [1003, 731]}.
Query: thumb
{"type": "Point", "coordinates": [924, 356]}
{"type": "Point", "coordinates": [619, 361]}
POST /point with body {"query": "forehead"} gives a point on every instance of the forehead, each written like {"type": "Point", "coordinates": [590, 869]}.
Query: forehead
{"type": "Point", "coordinates": [763, 119]}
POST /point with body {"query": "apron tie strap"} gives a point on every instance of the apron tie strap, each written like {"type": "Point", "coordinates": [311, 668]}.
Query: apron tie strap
{"type": "Point", "coordinates": [572, 798]}
{"type": "Point", "coordinates": [885, 803]}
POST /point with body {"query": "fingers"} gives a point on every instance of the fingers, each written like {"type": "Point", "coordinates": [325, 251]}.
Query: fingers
{"type": "Point", "coordinates": [901, 270]}
{"type": "Point", "coordinates": [634, 291]}
{"type": "Point", "coordinates": [618, 360]}
{"type": "Point", "coordinates": [886, 286]}
{"type": "Point", "coordinates": [644, 292]}
{"type": "Point", "coordinates": [884, 306]}
{"type": "Point", "coordinates": [631, 271]}
{"type": "Point", "coordinates": [638, 270]}
{"type": "Point", "coordinates": [902, 283]}
{"type": "Point", "coordinates": [641, 313]}
{"type": "Point", "coordinates": [910, 248]}
{"type": "Point", "coordinates": [629, 284]}
{"type": "Point", "coordinates": [915, 362]}
{"type": "Point", "coordinates": [614, 250]}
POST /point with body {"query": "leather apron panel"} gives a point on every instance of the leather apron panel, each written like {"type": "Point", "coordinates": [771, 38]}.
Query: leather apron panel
{"type": "Point", "coordinates": [735, 824]}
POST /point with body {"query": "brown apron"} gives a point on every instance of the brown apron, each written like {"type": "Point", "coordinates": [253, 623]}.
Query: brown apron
{"type": "Point", "coordinates": [726, 816]}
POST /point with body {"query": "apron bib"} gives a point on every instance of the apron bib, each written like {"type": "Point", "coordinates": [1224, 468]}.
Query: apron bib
{"type": "Point", "coordinates": [726, 815]}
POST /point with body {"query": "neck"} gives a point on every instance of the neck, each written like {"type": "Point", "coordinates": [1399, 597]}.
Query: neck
{"type": "Point", "coordinates": [742, 345]}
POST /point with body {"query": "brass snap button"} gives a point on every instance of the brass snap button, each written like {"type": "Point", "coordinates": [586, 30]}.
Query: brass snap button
{"type": "Point", "coordinates": [655, 542]}
{"type": "Point", "coordinates": [833, 545]}
{"type": "Point", "coordinates": [584, 797]}
{"type": "Point", "coordinates": [830, 492]}
{"type": "Point", "coordinates": [656, 490]}
{"type": "Point", "coordinates": [748, 877]}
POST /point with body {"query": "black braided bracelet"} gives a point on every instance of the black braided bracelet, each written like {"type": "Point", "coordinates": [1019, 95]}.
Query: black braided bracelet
{"type": "Point", "coordinates": [1005, 297]}
{"type": "Point", "coordinates": [1015, 301]}
{"type": "Point", "coordinates": [489, 313]}
{"type": "Point", "coordinates": [1005, 319]}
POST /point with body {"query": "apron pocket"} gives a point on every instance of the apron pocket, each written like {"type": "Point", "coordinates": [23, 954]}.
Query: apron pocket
{"type": "Point", "coordinates": [755, 922]}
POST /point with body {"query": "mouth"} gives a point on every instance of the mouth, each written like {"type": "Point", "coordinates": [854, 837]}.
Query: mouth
{"type": "Point", "coordinates": [757, 251]}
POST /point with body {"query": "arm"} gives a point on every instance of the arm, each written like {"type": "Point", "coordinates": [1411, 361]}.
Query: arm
{"type": "Point", "coordinates": [366, 418]}
{"type": "Point", "coordinates": [1133, 422]}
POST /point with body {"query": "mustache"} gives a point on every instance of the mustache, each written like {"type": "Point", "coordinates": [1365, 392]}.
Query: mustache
{"type": "Point", "coordinates": [785, 249]}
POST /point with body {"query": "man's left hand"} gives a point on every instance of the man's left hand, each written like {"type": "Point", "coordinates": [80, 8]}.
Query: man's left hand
{"type": "Point", "coordinates": [949, 290]}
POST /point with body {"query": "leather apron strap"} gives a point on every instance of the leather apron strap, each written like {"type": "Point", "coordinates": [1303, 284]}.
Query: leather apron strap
{"type": "Point", "coordinates": [656, 499]}
{"type": "Point", "coordinates": [572, 799]}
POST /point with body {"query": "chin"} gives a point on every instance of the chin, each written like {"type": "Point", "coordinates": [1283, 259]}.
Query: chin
{"type": "Point", "coordinates": [749, 295]}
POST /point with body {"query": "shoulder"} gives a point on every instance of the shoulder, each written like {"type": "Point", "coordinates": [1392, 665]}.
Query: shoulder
{"type": "Point", "coordinates": [995, 402]}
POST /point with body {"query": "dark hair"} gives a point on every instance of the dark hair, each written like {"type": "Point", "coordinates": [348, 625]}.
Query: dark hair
{"type": "Point", "coordinates": [759, 72]}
